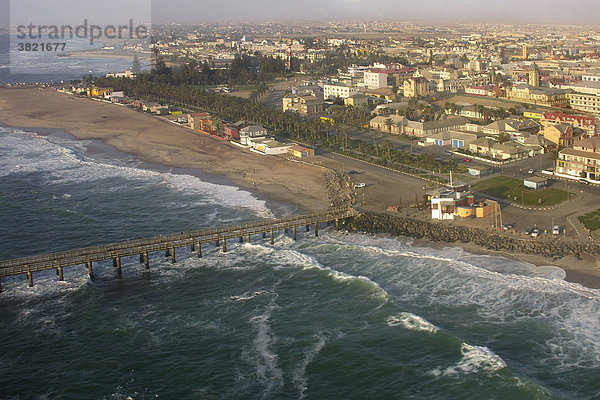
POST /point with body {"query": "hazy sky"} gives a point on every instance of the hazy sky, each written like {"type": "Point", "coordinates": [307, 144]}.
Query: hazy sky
{"type": "Point", "coordinates": [518, 11]}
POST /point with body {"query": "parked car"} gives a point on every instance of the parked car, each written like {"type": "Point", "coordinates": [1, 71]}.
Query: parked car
{"type": "Point", "coordinates": [466, 159]}
{"type": "Point", "coordinates": [359, 185]}
{"type": "Point", "coordinates": [528, 231]}
{"type": "Point", "coordinates": [352, 172]}
{"type": "Point", "coordinates": [531, 171]}
{"type": "Point", "coordinates": [556, 230]}
{"type": "Point", "coordinates": [507, 227]}
{"type": "Point", "coordinates": [535, 233]}
{"type": "Point", "coordinates": [448, 152]}
{"type": "Point", "coordinates": [584, 181]}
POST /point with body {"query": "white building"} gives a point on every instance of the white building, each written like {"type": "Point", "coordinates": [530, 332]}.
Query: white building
{"type": "Point", "coordinates": [375, 79]}
{"type": "Point", "coordinates": [332, 91]}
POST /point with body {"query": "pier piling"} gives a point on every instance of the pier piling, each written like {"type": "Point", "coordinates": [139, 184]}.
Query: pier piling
{"type": "Point", "coordinates": [248, 238]}
{"type": "Point", "coordinates": [217, 241]}
{"type": "Point", "coordinates": [199, 250]}
{"type": "Point", "coordinates": [224, 245]}
{"type": "Point", "coordinates": [59, 272]}
{"type": "Point", "coordinates": [294, 233]}
{"type": "Point", "coordinates": [337, 224]}
{"type": "Point", "coordinates": [89, 268]}
{"type": "Point", "coordinates": [264, 234]}
{"type": "Point", "coordinates": [141, 257]}
{"type": "Point", "coordinates": [167, 253]}
{"type": "Point", "coordinates": [193, 247]}
{"type": "Point", "coordinates": [0, 285]}
{"type": "Point", "coordinates": [241, 239]}
{"type": "Point", "coordinates": [146, 260]}
{"type": "Point", "coordinates": [173, 259]}
{"type": "Point", "coordinates": [118, 263]}
{"type": "Point", "coordinates": [316, 229]}
{"type": "Point", "coordinates": [272, 238]}
{"type": "Point", "coordinates": [30, 278]}
{"type": "Point", "coordinates": [114, 263]}
{"type": "Point", "coordinates": [307, 227]}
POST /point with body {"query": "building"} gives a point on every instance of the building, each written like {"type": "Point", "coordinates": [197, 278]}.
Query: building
{"type": "Point", "coordinates": [375, 79]}
{"type": "Point", "coordinates": [201, 122]}
{"type": "Point", "coordinates": [545, 96]}
{"type": "Point", "coordinates": [416, 87]}
{"type": "Point", "coordinates": [232, 130]}
{"type": "Point", "coordinates": [512, 127]}
{"type": "Point", "coordinates": [453, 139]}
{"type": "Point", "coordinates": [494, 150]}
{"type": "Point", "coordinates": [252, 131]}
{"type": "Point", "coordinates": [331, 92]}
{"type": "Point", "coordinates": [561, 134]}
{"type": "Point", "coordinates": [268, 145]}
{"type": "Point", "coordinates": [391, 124]}
{"type": "Point", "coordinates": [587, 124]}
{"type": "Point", "coordinates": [535, 182]}
{"type": "Point", "coordinates": [422, 129]}
{"type": "Point", "coordinates": [357, 100]}
{"type": "Point", "coordinates": [309, 105]}
{"type": "Point", "coordinates": [484, 90]}
{"type": "Point", "coordinates": [585, 102]}
{"type": "Point", "coordinates": [582, 161]}
{"type": "Point", "coordinates": [301, 151]}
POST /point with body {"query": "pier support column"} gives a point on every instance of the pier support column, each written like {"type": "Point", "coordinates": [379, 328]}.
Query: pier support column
{"type": "Point", "coordinates": [307, 227]}
{"type": "Point", "coordinates": [173, 259]}
{"type": "Point", "coordinates": [0, 285]}
{"type": "Point", "coordinates": [217, 241]}
{"type": "Point", "coordinates": [119, 272]}
{"type": "Point", "coordinates": [224, 245]}
{"type": "Point", "coordinates": [193, 247]}
{"type": "Point", "coordinates": [88, 264]}
{"type": "Point", "coordinates": [294, 233]}
{"type": "Point", "coordinates": [30, 279]}
{"type": "Point", "coordinates": [167, 253]}
{"type": "Point", "coordinates": [114, 263]}
{"type": "Point", "coordinates": [248, 238]}
{"type": "Point", "coordinates": [316, 229]}
{"type": "Point", "coordinates": [286, 230]}
{"type": "Point", "coordinates": [199, 246]}
{"type": "Point", "coordinates": [337, 224]}
{"type": "Point", "coordinates": [241, 239]}
{"type": "Point", "coordinates": [264, 234]}
{"type": "Point", "coordinates": [272, 238]}
{"type": "Point", "coordinates": [141, 257]}
{"type": "Point", "coordinates": [146, 260]}
{"type": "Point", "coordinates": [59, 272]}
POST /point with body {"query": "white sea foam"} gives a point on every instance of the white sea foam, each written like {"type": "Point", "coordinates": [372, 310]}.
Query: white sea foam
{"type": "Point", "coordinates": [249, 295]}
{"type": "Point", "coordinates": [412, 322]}
{"type": "Point", "coordinates": [475, 359]}
{"type": "Point", "coordinates": [299, 374]}
{"type": "Point", "coordinates": [27, 152]}
{"type": "Point", "coordinates": [265, 359]}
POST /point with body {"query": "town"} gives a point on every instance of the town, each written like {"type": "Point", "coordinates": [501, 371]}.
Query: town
{"type": "Point", "coordinates": [507, 116]}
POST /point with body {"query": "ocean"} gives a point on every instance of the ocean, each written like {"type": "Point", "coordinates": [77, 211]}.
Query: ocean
{"type": "Point", "coordinates": [52, 67]}
{"type": "Point", "coordinates": [341, 316]}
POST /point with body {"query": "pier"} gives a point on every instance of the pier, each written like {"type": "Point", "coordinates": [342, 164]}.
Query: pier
{"type": "Point", "coordinates": [168, 244]}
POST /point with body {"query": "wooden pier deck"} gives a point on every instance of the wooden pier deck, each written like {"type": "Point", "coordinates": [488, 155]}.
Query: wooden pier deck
{"type": "Point", "coordinates": [168, 243]}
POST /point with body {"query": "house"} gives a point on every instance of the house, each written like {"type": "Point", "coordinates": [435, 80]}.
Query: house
{"type": "Point", "coordinates": [268, 145]}
{"type": "Point", "coordinates": [585, 102]}
{"type": "Point", "coordinates": [252, 131]}
{"type": "Point", "coordinates": [357, 100]}
{"type": "Point", "coordinates": [582, 161]}
{"type": "Point", "coordinates": [512, 127]}
{"type": "Point", "coordinates": [484, 90]}
{"type": "Point", "coordinates": [202, 122]}
{"type": "Point", "coordinates": [232, 130]}
{"type": "Point", "coordinates": [451, 138]}
{"type": "Point", "coordinates": [588, 124]}
{"type": "Point", "coordinates": [308, 105]}
{"type": "Point", "coordinates": [535, 182]}
{"type": "Point", "coordinates": [375, 79]}
{"type": "Point", "coordinates": [478, 171]}
{"type": "Point", "coordinates": [498, 151]}
{"type": "Point", "coordinates": [301, 151]}
{"type": "Point", "coordinates": [94, 91]}
{"type": "Point", "coordinates": [560, 135]}
{"type": "Point", "coordinates": [391, 124]}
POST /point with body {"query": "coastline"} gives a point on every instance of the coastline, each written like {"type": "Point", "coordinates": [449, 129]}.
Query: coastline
{"type": "Point", "coordinates": [156, 142]}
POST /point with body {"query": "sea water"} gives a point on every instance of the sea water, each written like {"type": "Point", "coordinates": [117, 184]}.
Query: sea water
{"type": "Point", "coordinates": [341, 316]}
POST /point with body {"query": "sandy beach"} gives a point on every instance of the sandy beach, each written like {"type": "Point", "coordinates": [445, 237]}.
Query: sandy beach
{"type": "Point", "coordinates": [155, 140]}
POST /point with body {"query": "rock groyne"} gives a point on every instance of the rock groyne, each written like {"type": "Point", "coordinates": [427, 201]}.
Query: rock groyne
{"type": "Point", "coordinates": [380, 222]}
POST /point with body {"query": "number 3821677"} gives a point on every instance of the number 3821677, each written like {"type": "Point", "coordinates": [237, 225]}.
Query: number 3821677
{"type": "Point", "coordinates": [49, 46]}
